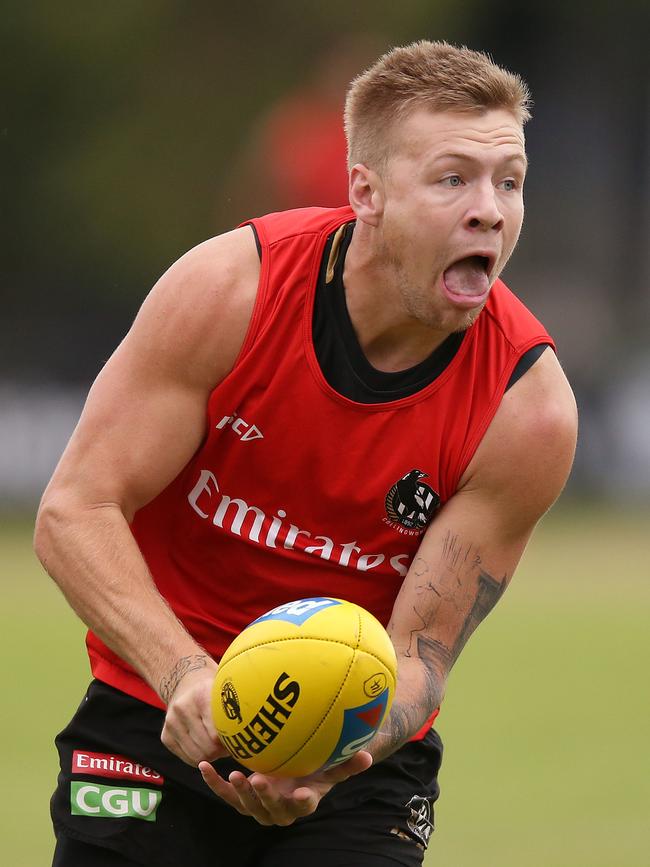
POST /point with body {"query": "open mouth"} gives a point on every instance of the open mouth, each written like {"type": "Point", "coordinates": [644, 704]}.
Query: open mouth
{"type": "Point", "coordinates": [466, 281]}
{"type": "Point", "coordinates": [484, 262]}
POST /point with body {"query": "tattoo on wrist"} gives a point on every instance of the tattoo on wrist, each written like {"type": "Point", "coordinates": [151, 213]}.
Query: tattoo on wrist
{"type": "Point", "coordinates": [169, 684]}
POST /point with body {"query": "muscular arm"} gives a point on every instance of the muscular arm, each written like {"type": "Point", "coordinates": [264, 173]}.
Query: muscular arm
{"type": "Point", "coordinates": [143, 420]}
{"type": "Point", "coordinates": [470, 552]}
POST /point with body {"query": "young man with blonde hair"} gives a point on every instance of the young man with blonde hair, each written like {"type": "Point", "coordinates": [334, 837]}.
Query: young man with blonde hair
{"type": "Point", "coordinates": [337, 402]}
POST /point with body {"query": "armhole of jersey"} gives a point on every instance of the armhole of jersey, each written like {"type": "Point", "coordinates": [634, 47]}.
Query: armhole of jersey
{"type": "Point", "coordinates": [506, 380]}
{"type": "Point", "coordinates": [525, 362]}
{"type": "Point", "coordinates": [263, 251]}
{"type": "Point", "coordinates": [257, 241]}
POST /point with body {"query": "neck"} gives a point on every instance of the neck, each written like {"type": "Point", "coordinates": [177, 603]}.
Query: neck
{"type": "Point", "coordinates": [391, 339]}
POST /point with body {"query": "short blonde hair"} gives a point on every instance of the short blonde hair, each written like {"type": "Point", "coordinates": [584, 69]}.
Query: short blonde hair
{"type": "Point", "coordinates": [433, 75]}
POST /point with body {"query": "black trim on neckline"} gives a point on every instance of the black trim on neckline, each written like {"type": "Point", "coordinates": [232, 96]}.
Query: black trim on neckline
{"type": "Point", "coordinates": [341, 359]}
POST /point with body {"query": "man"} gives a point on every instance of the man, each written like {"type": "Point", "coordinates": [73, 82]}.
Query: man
{"type": "Point", "coordinates": [344, 403]}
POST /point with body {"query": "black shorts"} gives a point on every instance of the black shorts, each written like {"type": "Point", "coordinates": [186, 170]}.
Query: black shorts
{"type": "Point", "coordinates": [121, 790]}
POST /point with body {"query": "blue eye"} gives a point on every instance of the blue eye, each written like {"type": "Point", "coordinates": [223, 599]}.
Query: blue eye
{"type": "Point", "coordinates": [453, 180]}
{"type": "Point", "coordinates": [509, 185]}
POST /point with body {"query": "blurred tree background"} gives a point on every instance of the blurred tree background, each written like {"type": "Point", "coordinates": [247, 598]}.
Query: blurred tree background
{"type": "Point", "coordinates": [131, 131]}
{"type": "Point", "coordinates": [123, 136]}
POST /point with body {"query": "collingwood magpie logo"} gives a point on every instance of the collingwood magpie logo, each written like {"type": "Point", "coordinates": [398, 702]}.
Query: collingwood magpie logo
{"type": "Point", "coordinates": [230, 701]}
{"type": "Point", "coordinates": [410, 503]}
{"type": "Point", "coordinates": [420, 822]}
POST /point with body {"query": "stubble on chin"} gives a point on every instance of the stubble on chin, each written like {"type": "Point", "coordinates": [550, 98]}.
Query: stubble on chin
{"type": "Point", "coordinates": [426, 307]}
{"type": "Point", "coordinates": [447, 322]}
{"type": "Point", "coordinates": [469, 317]}
{"type": "Point", "coordinates": [421, 303]}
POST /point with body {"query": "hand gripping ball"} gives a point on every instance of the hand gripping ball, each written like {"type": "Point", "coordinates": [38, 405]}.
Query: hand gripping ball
{"type": "Point", "coordinates": [304, 687]}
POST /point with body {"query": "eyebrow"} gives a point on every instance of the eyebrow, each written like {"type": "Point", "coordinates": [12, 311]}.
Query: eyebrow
{"type": "Point", "coordinates": [513, 157]}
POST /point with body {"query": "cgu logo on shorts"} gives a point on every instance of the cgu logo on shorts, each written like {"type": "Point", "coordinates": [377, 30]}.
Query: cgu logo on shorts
{"type": "Point", "coordinates": [91, 799]}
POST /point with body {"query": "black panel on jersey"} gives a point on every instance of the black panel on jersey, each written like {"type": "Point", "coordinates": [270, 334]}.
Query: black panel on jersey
{"type": "Point", "coordinates": [341, 359]}
{"type": "Point", "coordinates": [257, 240]}
{"type": "Point", "coordinates": [339, 355]}
{"type": "Point", "coordinates": [525, 362]}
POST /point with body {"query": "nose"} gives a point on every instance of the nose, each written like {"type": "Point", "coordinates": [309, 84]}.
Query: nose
{"type": "Point", "coordinates": [484, 213]}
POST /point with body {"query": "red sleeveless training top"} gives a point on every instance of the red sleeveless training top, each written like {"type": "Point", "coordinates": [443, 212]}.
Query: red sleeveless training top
{"type": "Point", "coordinates": [298, 491]}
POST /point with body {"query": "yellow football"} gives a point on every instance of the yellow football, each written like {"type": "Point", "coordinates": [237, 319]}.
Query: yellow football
{"type": "Point", "coordinates": [304, 687]}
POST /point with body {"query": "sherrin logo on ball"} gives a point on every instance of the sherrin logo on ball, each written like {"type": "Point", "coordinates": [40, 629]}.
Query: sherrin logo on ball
{"type": "Point", "coordinates": [304, 687]}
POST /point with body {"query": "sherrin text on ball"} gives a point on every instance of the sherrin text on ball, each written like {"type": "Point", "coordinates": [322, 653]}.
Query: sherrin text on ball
{"type": "Point", "coordinates": [304, 687]}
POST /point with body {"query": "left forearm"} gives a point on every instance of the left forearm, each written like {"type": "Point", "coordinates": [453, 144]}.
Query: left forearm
{"type": "Point", "coordinates": [419, 692]}
{"type": "Point", "coordinates": [448, 600]}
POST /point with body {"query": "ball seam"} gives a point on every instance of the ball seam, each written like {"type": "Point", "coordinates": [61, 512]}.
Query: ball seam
{"type": "Point", "coordinates": [313, 734]}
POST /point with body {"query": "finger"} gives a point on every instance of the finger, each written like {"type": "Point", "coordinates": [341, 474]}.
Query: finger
{"type": "Point", "coordinates": [174, 746]}
{"type": "Point", "coordinates": [198, 719]}
{"type": "Point", "coordinates": [185, 725]}
{"type": "Point", "coordinates": [225, 790]}
{"type": "Point", "coordinates": [305, 801]}
{"type": "Point", "coordinates": [184, 742]}
{"type": "Point", "coordinates": [358, 763]}
{"type": "Point", "coordinates": [251, 800]}
{"type": "Point", "coordinates": [235, 792]}
{"type": "Point", "coordinates": [216, 782]}
{"type": "Point", "coordinates": [208, 746]}
{"type": "Point", "coordinates": [283, 808]}
{"type": "Point", "coordinates": [218, 785]}
{"type": "Point", "coordinates": [208, 724]}
{"type": "Point", "coordinates": [176, 737]}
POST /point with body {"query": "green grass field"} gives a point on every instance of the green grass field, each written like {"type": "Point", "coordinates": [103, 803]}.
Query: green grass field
{"type": "Point", "coordinates": [545, 721]}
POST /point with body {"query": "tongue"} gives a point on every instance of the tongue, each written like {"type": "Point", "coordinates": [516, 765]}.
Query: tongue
{"type": "Point", "coordinates": [467, 277]}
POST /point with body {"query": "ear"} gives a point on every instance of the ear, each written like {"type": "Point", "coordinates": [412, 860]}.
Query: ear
{"type": "Point", "coordinates": [366, 194]}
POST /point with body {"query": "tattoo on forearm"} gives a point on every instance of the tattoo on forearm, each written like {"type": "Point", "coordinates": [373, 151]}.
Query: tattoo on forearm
{"type": "Point", "coordinates": [452, 598]}
{"type": "Point", "coordinates": [420, 566]}
{"type": "Point", "coordinates": [459, 588]}
{"type": "Point", "coordinates": [406, 718]}
{"type": "Point", "coordinates": [433, 654]}
{"type": "Point", "coordinates": [435, 659]}
{"type": "Point", "coordinates": [454, 553]}
{"type": "Point", "coordinates": [402, 722]}
{"type": "Point", "coordinates": [169, 684]}
{"type": "Point", "coordinates": [489, 592]}
{"type": "Point", "coordinates": [415, 632]}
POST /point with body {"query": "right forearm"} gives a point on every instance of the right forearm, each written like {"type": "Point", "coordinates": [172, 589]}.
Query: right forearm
{"type": "Point", "coordinates": [93, 557]}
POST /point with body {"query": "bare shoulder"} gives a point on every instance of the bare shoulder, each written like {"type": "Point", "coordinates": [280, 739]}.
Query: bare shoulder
{"type": "Point", "coordinates": [526, 454]}
{"type": "Point", "coordinates": [145, 414]}
{"type": "Point", "coordinates": [196, 316]}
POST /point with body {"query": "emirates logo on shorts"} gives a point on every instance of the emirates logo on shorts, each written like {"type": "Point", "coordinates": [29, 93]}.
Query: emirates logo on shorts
{"type": "Point", "coordinates": [410, 503]}
{"type": "Point", "coordinates": [230, 701]}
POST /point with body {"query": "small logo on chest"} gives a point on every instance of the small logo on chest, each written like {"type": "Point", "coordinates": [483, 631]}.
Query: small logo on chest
{"type": "Point", "coordinates": [411, 503]}
{"type": "Point", "coordinates": [241, 428]}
